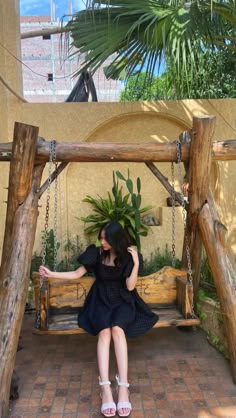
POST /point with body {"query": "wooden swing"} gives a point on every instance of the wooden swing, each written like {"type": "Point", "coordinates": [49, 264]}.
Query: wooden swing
{"type": "Point", "coordinates": [168, 292]}
{"type": "Point", "coordinates": [28, 155]}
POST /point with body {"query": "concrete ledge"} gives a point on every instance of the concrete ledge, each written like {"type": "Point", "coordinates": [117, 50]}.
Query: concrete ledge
{"type": "Point", "coordinates": [212, 323]}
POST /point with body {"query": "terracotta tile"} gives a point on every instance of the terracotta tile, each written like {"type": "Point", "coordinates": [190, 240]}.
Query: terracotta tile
{"type": "Point", "coordinates": [187, 379]}
{"type": "Point", "coordinates": [164, 413]}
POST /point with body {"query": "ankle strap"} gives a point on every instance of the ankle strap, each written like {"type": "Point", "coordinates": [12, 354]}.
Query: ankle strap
{"type": "Point", "coordinates": [105, 382]}
{"type": "Point", "coordinates": [121, 383]}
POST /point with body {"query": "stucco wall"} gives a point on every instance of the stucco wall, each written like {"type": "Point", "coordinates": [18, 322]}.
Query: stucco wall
{"type": "Point", "coordinates": [134, 123]}
{"type": "Point", "coordinates": [108, 122]}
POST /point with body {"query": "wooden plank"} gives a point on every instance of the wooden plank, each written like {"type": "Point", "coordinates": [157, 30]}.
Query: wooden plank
{"type": "Point", "coordinates": [44, 308]}
{"type": "Point", "coordinates": [155, 289]}
{"type": "Point", "coordinates": [68, 324]}
{"type": "Point", "coordinates": [184, 297]}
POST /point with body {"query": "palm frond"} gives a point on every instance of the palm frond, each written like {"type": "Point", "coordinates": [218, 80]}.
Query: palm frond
{"type": "Point", "coordinates": [138, 35]}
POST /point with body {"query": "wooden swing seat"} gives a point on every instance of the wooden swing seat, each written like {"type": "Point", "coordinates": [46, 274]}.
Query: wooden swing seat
{"type": "Point", "coordinates": [167, 292]}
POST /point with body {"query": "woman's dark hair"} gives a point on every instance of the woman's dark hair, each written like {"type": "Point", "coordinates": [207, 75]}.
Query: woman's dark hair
{"type": "Point", "coordinates": [117, 237]}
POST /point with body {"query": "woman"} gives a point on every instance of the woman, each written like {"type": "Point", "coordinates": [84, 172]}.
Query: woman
{"type": "Point", "coordinates": [113, 309]}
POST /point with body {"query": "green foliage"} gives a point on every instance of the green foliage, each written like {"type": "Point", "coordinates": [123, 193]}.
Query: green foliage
{"type": "Point", "coordinates": [159, 260]}
{"type": "Point", "coordinates": [215, 341]}
{"type": "Point", "coordinates": [36, 262]}
{"type": "Point", "coordinates": [212, 77]}
{"type": "Point", "coordinates": [125, 209]}
{"type": "Point", "coordinates": [137, 88]}
{"type": "Point", "coordinates": [50, 243]}
{"type": "Point", "coordinates": [139, 35]}
{"type": "Point", "coordinates": [206, 280]}
{"type": "Point", "coordinates": [71, 250]}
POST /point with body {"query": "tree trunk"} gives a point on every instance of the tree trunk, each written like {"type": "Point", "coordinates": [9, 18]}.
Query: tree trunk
{"type": "Point", "coordinates": [199, 178]}
{"type": "Point", "coordinates": [213, 237]}
{"type": "Point", "coordinates": [21, 219]}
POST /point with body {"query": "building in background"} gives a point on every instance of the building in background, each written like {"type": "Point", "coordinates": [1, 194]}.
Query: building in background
{"type": "Point", "coordinates": [47, 70]}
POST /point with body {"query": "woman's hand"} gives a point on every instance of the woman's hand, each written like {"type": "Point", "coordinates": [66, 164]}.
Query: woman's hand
{"type": "Point", "coordinates": [134, 255]}
{"type": "Point", "coordinates": [44, 271]}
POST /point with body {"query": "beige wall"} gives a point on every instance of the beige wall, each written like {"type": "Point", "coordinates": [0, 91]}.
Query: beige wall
{"type": "Point", "coordinates": [134, 123]}
{"type": "Point", "coordinates": [110, 122]}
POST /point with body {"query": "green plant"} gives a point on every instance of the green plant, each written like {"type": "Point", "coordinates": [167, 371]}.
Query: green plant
{"type": "Point", "coordinates": [207, 280]}
{"type": "Point", "coordinates": [125, 209]}
{"type": "Point", "coordinates": [70, 261]}
{"type": "Point", "coordinates": [158, 260]}
{"type": "Point", "coordinates": [37, 259]}
{"type": "Point", "coordinates": [215, 341]}
{"type": "Point", "coordinates": [139, 35]}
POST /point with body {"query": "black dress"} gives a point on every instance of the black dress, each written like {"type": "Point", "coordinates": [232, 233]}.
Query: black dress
{"type": "Point", "coordinates": [109, 302]}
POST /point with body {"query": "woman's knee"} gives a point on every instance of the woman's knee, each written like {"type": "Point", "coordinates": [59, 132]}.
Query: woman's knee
{"type": "Point", "coordinates": [105, 334]}
{"type": "Point", "coordinates": [117, 332]}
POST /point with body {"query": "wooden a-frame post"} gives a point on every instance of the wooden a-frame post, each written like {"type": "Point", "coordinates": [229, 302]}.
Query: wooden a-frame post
{"type": "Point", "coordinates": [21, 219]}
{"type": "Point", "coordinates": [203, 225]}
{"type": "Point", "coordinates": [199, 168]}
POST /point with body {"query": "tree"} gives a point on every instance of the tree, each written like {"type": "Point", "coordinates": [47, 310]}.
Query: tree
{"type": "Point", "coordinates": [213, 77]}
{"type": "Point", "coordinates": [139, 35]}
{"type": "Point", "coordinates": [137, 88]}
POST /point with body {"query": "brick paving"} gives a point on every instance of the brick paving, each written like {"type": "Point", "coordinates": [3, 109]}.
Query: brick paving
{"type": "Point", "coordinates": [172, 373]}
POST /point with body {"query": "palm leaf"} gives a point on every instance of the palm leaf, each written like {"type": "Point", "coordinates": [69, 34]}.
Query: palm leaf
{"type": "Point", "coordinates": [137, 35]}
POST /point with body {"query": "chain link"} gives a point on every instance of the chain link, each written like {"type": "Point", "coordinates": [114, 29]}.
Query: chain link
{"type": "Point", "coordinates": [183, 202]}
{"type": "Point", "coordinates": [173, 253]}
{"type": "Point", "coordinates": [55, 206]}
{"type": "Point", "coordinates": [42, 282]}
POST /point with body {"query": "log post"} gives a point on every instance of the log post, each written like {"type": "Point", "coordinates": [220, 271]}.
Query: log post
{"type": "Point", "coordinates": [199, 179]}
{"type": "Point", "coordinates": [21, 219]}
{"type": "Point", "coordinates": [213, 237]}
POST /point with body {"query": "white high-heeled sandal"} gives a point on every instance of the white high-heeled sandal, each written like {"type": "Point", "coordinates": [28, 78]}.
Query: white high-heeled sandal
{"type": "Point", "coordinates": [107, 405]}
{"type": "Point", "coordinates": [123, 405]}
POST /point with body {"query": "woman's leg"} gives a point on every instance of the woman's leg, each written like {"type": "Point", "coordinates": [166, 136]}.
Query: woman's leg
{"type": "Point", "coordinates": [103, 354]}
{"type": "Point", "coordinates": [121, 352]}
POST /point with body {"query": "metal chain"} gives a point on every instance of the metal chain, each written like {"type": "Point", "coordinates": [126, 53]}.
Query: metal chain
{"type": "Point", "coordinates": [44, 236]}
{"type": "Point", "coordinates": [42, 282]}
{"type": "Point", "coordinates": [55, 206]}
{"type": "Point", "coordinates": [183, 201]}
{"type": "Point", "coordinates": [173, 254]}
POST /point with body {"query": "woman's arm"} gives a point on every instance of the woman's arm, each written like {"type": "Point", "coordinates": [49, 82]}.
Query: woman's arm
{"type": "Point", "coordinates": [131, 281]}
{"type": "Point", "coordinates": [76, 274]}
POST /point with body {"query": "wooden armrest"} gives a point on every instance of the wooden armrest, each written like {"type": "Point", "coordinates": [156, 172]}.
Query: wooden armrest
{"type": "Point", "coordinates": [41, 300]}
{"type": "Point", "coordinates": [44, 307]}
{"type": "Point", "coordinates": [184, 297]}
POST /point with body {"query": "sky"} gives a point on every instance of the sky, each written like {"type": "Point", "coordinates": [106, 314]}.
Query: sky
{"type": "Point", "coordinates": [43, 7]}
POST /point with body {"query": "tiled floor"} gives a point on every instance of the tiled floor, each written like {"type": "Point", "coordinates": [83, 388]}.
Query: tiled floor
{"type": "Point", "coordinates": [172, 374]}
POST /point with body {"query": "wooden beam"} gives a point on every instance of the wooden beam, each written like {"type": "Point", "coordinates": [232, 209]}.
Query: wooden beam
{"type": "Point", "coordinates": [200, 159]}
{"type": "Point", "coordinates": [213, 237]}
{"type": "Point", "coordinates": [43, 32]}
{"type": "Point", "coordinates": [54, 175]}
{"type": "Point", "coordinates": [109, 152]}
{"type": "Point", "coordinates": [164, 181]}
{"type": "Point", "coordinates": [21, 218]}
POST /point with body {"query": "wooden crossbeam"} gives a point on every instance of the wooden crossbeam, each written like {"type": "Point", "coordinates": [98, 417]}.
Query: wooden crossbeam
{"type": "Point", "coordinates": [109, 152]}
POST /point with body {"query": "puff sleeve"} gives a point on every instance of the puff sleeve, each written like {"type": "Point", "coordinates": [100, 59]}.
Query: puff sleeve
{"type": "Point", "coordinates": [129, 266]}
{"type": "Point", "coordinates": [89, 258]}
